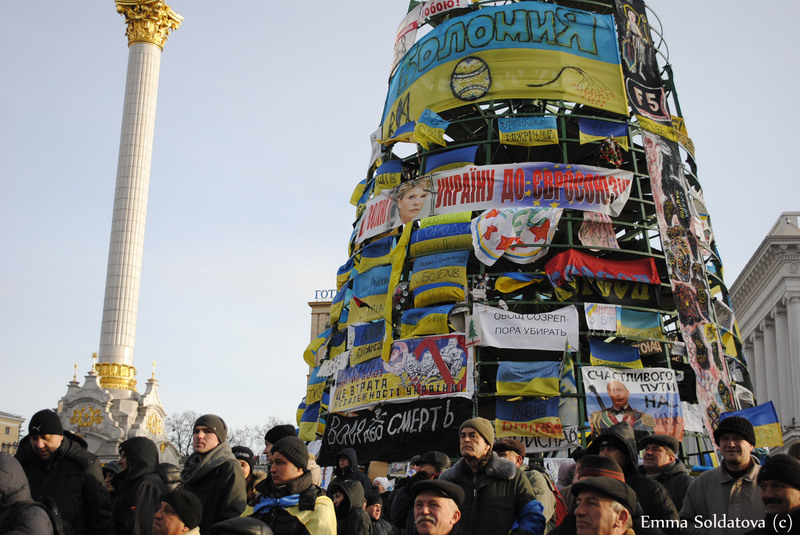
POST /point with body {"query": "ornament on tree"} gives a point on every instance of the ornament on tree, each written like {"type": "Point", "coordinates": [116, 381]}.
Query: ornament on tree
{"type": "Point", "coordinates": [611, 152]}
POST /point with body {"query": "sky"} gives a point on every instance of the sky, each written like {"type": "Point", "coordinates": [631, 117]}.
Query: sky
{"type": "Point", "coordinates": [262, 130]}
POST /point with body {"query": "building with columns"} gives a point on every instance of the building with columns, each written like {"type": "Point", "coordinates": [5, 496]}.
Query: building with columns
{"type": "Point", "coordinates": [107, 408]}
{"type": "Point", "coordinates": [766, 297]}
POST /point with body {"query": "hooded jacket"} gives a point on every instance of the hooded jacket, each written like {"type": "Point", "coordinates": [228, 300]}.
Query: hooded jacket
{"type": "Point", "coordinates": [139, 488]}
{"type": "Point", "coordinates": [217, 479]}
{"type": "Point", "coordinates": [72, 479]}
{"type": "Point", "coordinates": [496, 499]}
{"type": "Point", "coordinates": [310, 513]}
{"type": "Point", "coordinates": [653, 498]}
{"type": "Point", "coordinates": [675, 479]}
{"type": "Point", "coordinates": [351, 518]}
{"type": "Point", "coordinates": [14, 491]}
{"type": "Point", "coordinates": [351, 472]}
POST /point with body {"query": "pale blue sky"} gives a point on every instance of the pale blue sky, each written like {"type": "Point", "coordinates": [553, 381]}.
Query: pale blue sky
{"type": "Point", "coordinates": [264, 116]}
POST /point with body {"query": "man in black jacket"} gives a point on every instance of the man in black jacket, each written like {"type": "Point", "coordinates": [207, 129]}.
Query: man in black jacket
{"type": "Point", "coordinates": [213, 473]}
{"type": "Point", "coordinates": [61, 471]}
{"type": "Point", "coordinates": [347, 469]}
{"type": "Point", "coordinates": [139, 487]}
{"type": "Point", "coordinates": [660, 462]}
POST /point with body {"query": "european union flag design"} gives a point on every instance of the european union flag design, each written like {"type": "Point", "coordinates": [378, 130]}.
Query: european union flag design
{"type": "Point", "coordinates": [604, 354]}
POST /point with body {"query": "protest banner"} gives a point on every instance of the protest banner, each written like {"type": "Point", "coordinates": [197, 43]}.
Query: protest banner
{"type": "Point", "coordinates": [548, 331]}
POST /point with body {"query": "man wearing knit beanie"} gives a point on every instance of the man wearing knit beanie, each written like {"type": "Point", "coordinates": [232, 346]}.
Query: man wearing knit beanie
{"type": "Point", "coordinates": [213, 474]}
{"type": "Point", "coordinates": [779, 481]}
{"type": "Point", "coordinates": [275, 434]}
{"type": "Point", "coordinates": [180, 512]}
{"type": "Point", "coordinates": [499, 481]}
{"type": "Point", "coordinates": [730, 489]}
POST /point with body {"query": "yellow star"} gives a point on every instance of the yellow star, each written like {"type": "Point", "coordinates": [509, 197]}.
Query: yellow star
{"type": "Point", "coordinates": [554, 204]}
{"type": "Point", "coordinates": [537, 203]}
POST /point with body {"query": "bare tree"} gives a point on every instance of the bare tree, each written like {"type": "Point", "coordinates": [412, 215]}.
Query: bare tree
{"type": "Point", "coordinates": [181, 426]}
{"type": "Point", "coordinates": [253, 436]}
{"type": "Point", "coordinates": [179, 430]}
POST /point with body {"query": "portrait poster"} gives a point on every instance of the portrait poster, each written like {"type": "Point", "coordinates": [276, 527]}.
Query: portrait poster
{"type": "Point", "coordinates": [645, 398]}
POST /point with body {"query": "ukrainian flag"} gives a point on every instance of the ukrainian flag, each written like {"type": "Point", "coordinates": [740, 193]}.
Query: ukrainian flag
{"type": "Point", "coordinates": [337, 345]}
{"type": "Point", "coordinates": [316, 385]}
{"type": "Point", "coordinates": [337, 305]}
{"type": "Point", "coordinates": [345, 272]}
{"type": "Point", "coordinates": [446, 219]}
{"type": "Point", "coordinates": [310, 423]}
{"type": "Point", "coordinates": [369, 294]}
{"type": "Point", "coordinates": [310, 354]}
{"type": "Point", "coordinates": [512, 281]}
{"type": "Point", "coordinates": [451, 159]}
{"type": "Point", "coordinates": [596, 130]}
{"type": "Point", "coordinates": [388, 175]}
{"type": "Point", "coordinates": [603, 354]}
{"type": "Point", "coordinates": [403, 132]}
{"type": "Point", "coordinates": [439, 278]}
{"type": "Point", "coordinates": [376, 253]}
{"type": "Point", "coordinates": [528, 131]}
{"type": "Point", "coordinates": [637, 323]}
{"type": "Point", "coordinates": [765, 423]}
{"type": "Point", "coordinates": [367, 341]}
{"type": "Point", "coordinates": [532, 418]}
{"type": "Point", "coordinates": [440, 238]}
{"type": "Point", "coordinates": [528, 378]}
{"type": "Point", "coordinates": [430, 129]}
{"type": "Point", "coordinates": [425, 321]}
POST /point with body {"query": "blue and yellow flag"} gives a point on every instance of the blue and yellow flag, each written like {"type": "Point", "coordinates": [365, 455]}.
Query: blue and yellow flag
{"type": "Point", "coordinates": [367, 341]}
{"type": "Point", "coordinates": [403, 133]}
{"type": "Point", "coordinates": [338, 312]}
{"type": "Point", "coordinates": [440, 238]}
{"type": "Point", "coordinates": [446, 219]}
{"type": "Point", "coordinates": [425, 321]}
{"type": "Point", "coordinates": [439, 278]}
{"type": "Point", "coordinates": [638, 323]}
{"type": "Point", "coordinates": [376, 253]}
{"type": "Point", "coordinates": [369, 294]}
{"type": "Point", "coordinates": [310, 354]}
{"type": "Point", "coordinates": [568, 406]}
{"type": "Point", "coordinates": [603, 354]}
{"type": "Point", "coordinates": [765, 423]}
{"type": "Point", "coordinates": [596, 130]}
{"type": "Point", "coordinates": [345, 273]}
{"type": "Point", "coordinates": [512, 281]}
{"type": "Point", "coordinates": [315, 387]}
{"type": "Point", "coordinates": [528, 378]}
{"type": "Point", "coordinates": [528, 131]}
{"type": "Point", "coordinates": [309, 421]}
{"type": "Point", "coordinates": [430, 129]}
{"type": "Point", "coordinates": [361, 193]}
{"type": "Point", "coordinates": [338, 344]}
{"type": "Point", "coordinates": [451, 159]}
{"type": "Point", "coordinates": [300, 410]}
{"type": "Point", "coordinates": [388, 175]}
{"type": "Point", "coordinates": [531, 418]}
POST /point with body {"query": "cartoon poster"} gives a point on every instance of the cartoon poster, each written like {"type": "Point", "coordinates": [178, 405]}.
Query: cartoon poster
{"type": "Point", "coordinates": [645, 398]}
{"type": "Point", "coordinates": [430, 367]}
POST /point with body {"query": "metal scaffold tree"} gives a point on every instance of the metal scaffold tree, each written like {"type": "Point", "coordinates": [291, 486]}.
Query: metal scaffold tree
{"type": "Point", "coordinates": [531, 244]}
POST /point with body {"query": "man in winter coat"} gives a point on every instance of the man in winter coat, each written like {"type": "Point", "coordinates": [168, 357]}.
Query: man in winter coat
{"type": "Point", "coordinates": [61, 471]}
{"type": "Point", "coordinates": [604, 506]}
{"type": "Point", "coordinates": [348, 500]}
{"type": "Point", "coordinates": [291, 504]}
{"type": "Point", "coordinates": [180, 513]}
{"type": "Point", "coordinates": [213, 474]}
{"type": "Point", "coordinates": [437, 507]}
{"type": "Point", "coordinates": [428, 465]}
{"type": "Point", "coordinates": [660, 462]}
{"type": "Point", "coordinates": [139, 487]}
{"type": "Point", "coordinates": [347, 469]}
{"type": "Point", "coordinates": [618, 443]}
{"type": "Point", "coordinates": [374, 508]}
{"type": "Point", "coordinates": [731, 489]}
{"type": "Point", "coordinates": [498, 496]}
{"type": "Point", "coordinates": [15, 515]}
{"type": "Point", "coordinates": [779, 481]}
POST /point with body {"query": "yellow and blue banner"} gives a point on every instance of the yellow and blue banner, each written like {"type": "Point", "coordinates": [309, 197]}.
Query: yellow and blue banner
{"type": "Point", "coordinates": [338, 312]}
{"type": "Point", "coordinates": [430, 128]}
{"type": "Point", "coordinates": [309, 421]}
{"type": "Point", "coordinates": [387, 176]}
{"type": "Point", "coordinates": [440, 238]}
{"type": "Point", "coordinates": [367, 341]}
{"type": "Point", "coordinates": [369, 294]}
{"type": "Point", "coordinates": [315, 386]}
{"type": "Point", "coordinates": [439, 278]}
{"type": "Point", "coordinates": [528, 378]}
{"type": "Point", "coordinates": [528, 418]}
{"type": "Point", "coordinates": [639, 323]}
{"type": "Point", "coordinates": [376, 253]}
{"type": "Point", "coordinates": [528, 131]}
{"type": "Point", "coordinates": [337, 344]}
{"type": "Point", "coordinates": [404, 133]}
{"type": "Point", "coordinates": [765, 423]}
{"type": "Point", "coordinates": [319, 342]}
{"type": "Point", "coordinates": [568, 388]}
{"type": "Point", "coordinates": [521, 50]}
{"type": "Point", "coordinates": [597, 130]}
{"type": "Point", "coordinates": [345, 273]}
{"type": "Point", "coordinates": [451, 159]}
{"type": "Point", "coordinates": [425, 321]}
{"type": "Point", "coordinates": [605, 354]}
{"type": "Point", "coordinates": [510, 282]}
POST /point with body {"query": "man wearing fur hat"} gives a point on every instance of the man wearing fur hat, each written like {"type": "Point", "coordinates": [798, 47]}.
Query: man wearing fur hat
{"type": "Point", "coordinates": [291, 504]}
{"type": "Point", "coordinates": [60, 469]}
{"type": "Point", "coordinates": [779, 481]}
{"type": "Point", "coordinates": [498, 496]}
{"type": "Point", "coordinates": [730, 489]}
{"type": "Point", "coordinates": [660, 462]}
{"type": "Point", "coordinates": [213, 473]}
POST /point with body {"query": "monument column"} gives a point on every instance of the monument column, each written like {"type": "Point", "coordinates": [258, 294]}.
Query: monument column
{"type": "Point", "coordinates": [148, 25]}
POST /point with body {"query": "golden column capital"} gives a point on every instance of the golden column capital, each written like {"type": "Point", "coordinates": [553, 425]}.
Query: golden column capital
{"type": "Point", "coordinates": [148, 21]}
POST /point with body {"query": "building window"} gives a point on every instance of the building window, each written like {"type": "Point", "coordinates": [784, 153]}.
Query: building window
{"type": "Point", "coordinates": [8, 430]}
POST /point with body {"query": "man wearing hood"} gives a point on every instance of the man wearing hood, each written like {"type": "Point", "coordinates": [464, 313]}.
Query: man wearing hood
{"type": "Point", "coordinates": [291, 504]}
{"type": "Point", "coordinates": [348, 500]}
{"type": "Point", "coordinates": [15, 515]}
{"type": "Point", "coordinates": [62, 472]}
{"type": "Point", "coordinates": [659, 514]}
{"type": "Point", "coordinates": [347, 469]}
{"type": "Point", "coordinates": [139, 487]}
{"type": "Point", "coordinates": [213, 474]}
{"type": "Point", "coordinates": [660, 461]}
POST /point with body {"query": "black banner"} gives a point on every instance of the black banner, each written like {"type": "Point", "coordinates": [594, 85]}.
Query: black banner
{"type": "Point", "coordinates": [396, 431]}
{"type": "Point", "coordinates": [614, 292]}
{"type": "Point", "coordinates": [642, 79]}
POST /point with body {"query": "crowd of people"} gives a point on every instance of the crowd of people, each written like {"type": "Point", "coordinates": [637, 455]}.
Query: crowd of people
{"type": "Point", "coordinates": [620, 486]}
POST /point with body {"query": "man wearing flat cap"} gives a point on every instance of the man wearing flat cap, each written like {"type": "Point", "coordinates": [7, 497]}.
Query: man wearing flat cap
{"type": "Point", "coordinates": [604, 506]}
{"type": "Point", "coordinates": [428, 466]}
{"type": "Point", "coordinates": [730, 489]}
{"type": "Point", "coordinates": [437, 507]}
{"type": "Point", "coordinates": [779, 482]}
{"type": "Point", "coordinates": [179, 512]}
{"type": "Point", "coordinates": [213, 474]}
{"type": "Point", "coordinates": [660, 461]}
{"type": "Point", "coordinates": [291, 504]}
{"type": "Point", "coordinates": [498, 497]}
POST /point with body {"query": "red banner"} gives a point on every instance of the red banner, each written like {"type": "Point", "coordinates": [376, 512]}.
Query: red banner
{"type": "Point", "coordinates": [570, 264]}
